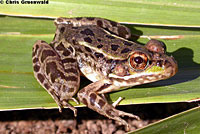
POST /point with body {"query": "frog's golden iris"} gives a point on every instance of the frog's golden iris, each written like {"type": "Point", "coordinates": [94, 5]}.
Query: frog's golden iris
{"type": "Point", "coordinates": [138, 61]}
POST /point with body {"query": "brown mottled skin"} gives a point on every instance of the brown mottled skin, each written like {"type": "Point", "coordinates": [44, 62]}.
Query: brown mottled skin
{"type": "Point", "coordinates": [98, 48]}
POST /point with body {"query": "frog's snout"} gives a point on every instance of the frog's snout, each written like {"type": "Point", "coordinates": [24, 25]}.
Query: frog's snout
{"type": "Point", "coordinates": [171, 66]}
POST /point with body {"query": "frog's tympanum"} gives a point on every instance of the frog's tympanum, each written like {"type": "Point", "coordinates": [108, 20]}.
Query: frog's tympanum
{"type": "Point", "coordinates": [100, 50]}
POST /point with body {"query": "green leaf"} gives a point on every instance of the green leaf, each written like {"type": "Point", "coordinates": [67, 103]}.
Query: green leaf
{"type": "Point", "coordinates": [168, 12]}
{"type": "Point", "coordinates": [19, 89]}
{"type": "Point", "coordinates": [183, 123]}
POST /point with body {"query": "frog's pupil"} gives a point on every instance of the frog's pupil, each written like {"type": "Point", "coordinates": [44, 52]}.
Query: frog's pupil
{"type": "Point", "coordinates": [138, 60]}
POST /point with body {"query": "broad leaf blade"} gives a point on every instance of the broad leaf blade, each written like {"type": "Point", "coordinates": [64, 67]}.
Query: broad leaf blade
{"type": "Point", "coordinates": [183, 123]}
{"type": "Point", "coordinates": [19, 89]}
{"type": "Point", "coordinates": [170, 12]}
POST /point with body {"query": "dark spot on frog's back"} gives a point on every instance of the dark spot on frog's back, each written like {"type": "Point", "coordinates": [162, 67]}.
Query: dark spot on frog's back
{"type": "Point", "coordinates": [125, 50]}
{"type": "Point", "coordinates": [88, 49]}
{"type": "Point", "coordinates": [99, 40]}
{"type": "Point", "coordinates": [79, 50]}
{"type": "Point", "coordinates": [113, 23]}
{"type": "Point", "coordinates": [87, 31]}
{"type": "Point", "coordinates": [109, 61]}
{"type": "Point", "coordinates": [88, 39]}
{"type": "Point", "coordinates": [100, 46]}
{"type": "Point", "coordinates": [90, 18]}
{"type": "Point", "coordinates": [99, 23]}
{"type": "Point", "coordinates": [47, 53]}
{"type": "Point", "coordinates": [98, 55]}
{"type": "Point", "coordinates": [127, 43]}
{"type": "Point", "coordinates": [114, 47]}
{"type": "Point", "coordinates": [66, 52]}
{"type": "Point", "coordinates": [60, 47]}
{"type": "Point", "coordinates": [122, 31]}
{"type": "Point", "coordinates": [91, 55]}
{"type": "Point", "coordinates": [86, 55]}
{"type": "Point", "coordinates": [110, 37]}
{"type": "Point", "coordinates": [79, 18]}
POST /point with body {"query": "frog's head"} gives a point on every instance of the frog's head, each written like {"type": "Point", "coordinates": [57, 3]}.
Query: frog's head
{"type": "Point", "coordinates": [145, 65]}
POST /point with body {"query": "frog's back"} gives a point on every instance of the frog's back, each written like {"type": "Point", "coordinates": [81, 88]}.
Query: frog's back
{"type": "Point", "coordinates": [101, 41]}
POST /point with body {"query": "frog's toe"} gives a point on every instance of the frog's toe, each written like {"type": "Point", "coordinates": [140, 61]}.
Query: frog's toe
{"type": "Point", "coordinates": [75, 111]}
{"type": "Point", "coordinates": [121, 113]}
{"type": "Point", "coordinates": [65, 103]}
{"type": "Point", "coordinates": [116, 103]}
{"type": "Point", "coordinates": [123, 122]}
{"type": "Point", "coordinates": [60, 107]}
{"type": "Point", "coordinates": [75, 100]}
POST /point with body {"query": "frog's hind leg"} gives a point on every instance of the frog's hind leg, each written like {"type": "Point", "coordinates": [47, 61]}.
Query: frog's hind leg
{"type": "Point", "coordinates": [108, 25]}
{"type": "Point", "coordinates": [90, 97]}
{"type": "Point", "coordinates": [49, 70]}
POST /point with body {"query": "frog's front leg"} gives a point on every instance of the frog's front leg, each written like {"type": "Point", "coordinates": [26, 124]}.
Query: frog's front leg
{"type": "Point", "coordinates": [89, 96]}
{"type": "Point", "coordinates": [59, 76]}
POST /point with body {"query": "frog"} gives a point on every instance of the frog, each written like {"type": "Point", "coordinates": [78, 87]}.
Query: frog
{"type": "Point", "coordinates": [100, 50]}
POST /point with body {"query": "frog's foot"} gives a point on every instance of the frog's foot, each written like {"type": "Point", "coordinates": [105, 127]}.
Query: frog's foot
{"type": "Point", "coordinates": [94, 101]}
{"type": "Point", "coordinates": [119, 113]}
{"type": "Point", "coordinates": [115, 114]}
{"type": "Point", "coordinates": [97, 103]}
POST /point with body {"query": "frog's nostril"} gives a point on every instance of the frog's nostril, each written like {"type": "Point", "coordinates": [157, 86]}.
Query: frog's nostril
{"type": "Point", "coordinates": [159, 63]}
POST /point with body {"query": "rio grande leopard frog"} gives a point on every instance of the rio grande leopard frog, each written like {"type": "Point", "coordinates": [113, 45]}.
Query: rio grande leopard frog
{"type": "Point", "coordinates": [98, 49]}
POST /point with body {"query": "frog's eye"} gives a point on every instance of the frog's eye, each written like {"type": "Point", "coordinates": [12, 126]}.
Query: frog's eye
{"type": "Point", "coordinates": [138, 61]}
